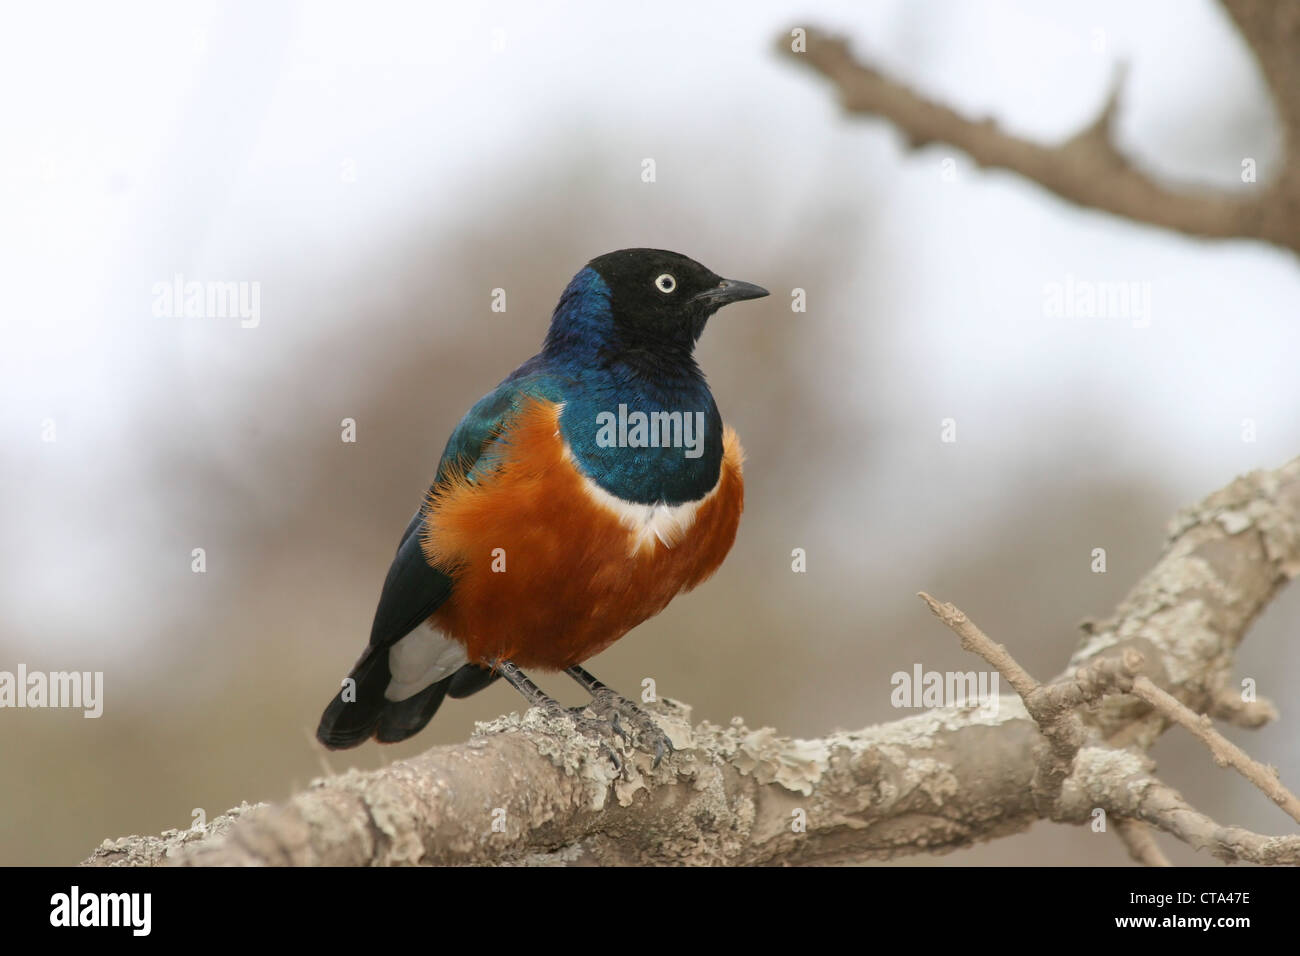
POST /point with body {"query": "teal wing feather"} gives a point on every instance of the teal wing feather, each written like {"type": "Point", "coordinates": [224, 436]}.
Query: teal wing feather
{"type": "Point", "coordinates": [414, 590]}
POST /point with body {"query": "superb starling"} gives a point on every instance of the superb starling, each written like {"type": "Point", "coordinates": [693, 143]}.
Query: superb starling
{"type": "Point", "coordinates": [572, 503]}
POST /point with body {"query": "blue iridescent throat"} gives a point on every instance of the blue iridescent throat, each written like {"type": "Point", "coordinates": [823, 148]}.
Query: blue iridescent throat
{"type": "Point", "coordinates": [641, 424]}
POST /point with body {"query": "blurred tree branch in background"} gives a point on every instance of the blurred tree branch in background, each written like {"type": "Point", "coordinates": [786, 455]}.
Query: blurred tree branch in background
{"type": "Point", "coordinates": [526, 791]}
{"type": "Point", "coordinates": [1088, 169]}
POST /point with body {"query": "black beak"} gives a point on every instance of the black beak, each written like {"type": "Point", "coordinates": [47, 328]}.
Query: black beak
{"type": "Point", "coordinates": [728, 291]}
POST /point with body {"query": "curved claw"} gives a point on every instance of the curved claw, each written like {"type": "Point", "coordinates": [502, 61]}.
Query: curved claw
{"type": "Point", "coordinates": [613, 756]}
{"type": "Point", "coordinates": [618, 729]}
{"type": "Point", "coordinates": [598, 727]}
{"type": "Point", "coordinates": [610, 712]}
{"type": "Point", "coordinates": [663, 747]}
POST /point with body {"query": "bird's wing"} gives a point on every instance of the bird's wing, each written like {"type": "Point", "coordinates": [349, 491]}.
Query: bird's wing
{"type": "Point", "coordinates": [404, 673]}
{"type": "Point", "coordinates": [413, 589]}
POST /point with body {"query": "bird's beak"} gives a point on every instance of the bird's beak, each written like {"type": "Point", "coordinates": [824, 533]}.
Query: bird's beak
{"type": "Point", "coordinates": [728, 291]}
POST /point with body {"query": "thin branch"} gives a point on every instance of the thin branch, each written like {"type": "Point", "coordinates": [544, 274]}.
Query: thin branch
{"type": "Point", "coordinates": [1141, 845]}
{"type": "Point", "coordinates": [1120, 782]}
{"type": "Point", "coordinates": [1160, 805]}
{"type": "Point", "coordinates": [1226, 753]}
{"type": "Point", "coordinates": [977, 642]}
{"type": "Point", "coordinates": [1088, 169]}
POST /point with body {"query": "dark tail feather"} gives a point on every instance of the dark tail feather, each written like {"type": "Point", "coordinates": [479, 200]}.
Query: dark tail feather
{"type": "Point", "coordinates": [349, 723]}
{"type": "Point", "coordinates": [400, 719]}
{"type": "Point", "coordinates": [470, 679]}
{"type": "Point", "coordinates": [353, 714]}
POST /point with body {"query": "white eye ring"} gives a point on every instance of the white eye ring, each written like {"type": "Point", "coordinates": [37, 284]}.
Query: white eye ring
{"type": "Point", "coordinates": [666, 283]}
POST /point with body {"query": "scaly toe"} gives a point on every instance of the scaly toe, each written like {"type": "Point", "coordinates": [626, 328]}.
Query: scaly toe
{"type": "Point", "coordinates": [648, 735]}
{"type": "Point", "coordinates": [597, 728]}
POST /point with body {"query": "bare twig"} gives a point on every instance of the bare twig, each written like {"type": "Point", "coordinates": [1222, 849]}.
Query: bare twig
{"type": "Point", "coordinates": [977, 642]}
{"type": "Point", "coordinates": [1226, 753]}
{"type": "Point", "coordinates": [1120, 782]}
{"type": "Point", "coordinates": [1141, 845]}
{"type": "Point", "coordinates": [1052, 708]}
{"type": "Point", "coordinates": [1088, 169]}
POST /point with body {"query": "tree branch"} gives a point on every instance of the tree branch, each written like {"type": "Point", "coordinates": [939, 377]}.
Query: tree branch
{"type": "Point", "coordinates": [1088, 169]}
{"type": "Point", "coordinates": [1072, 747]}
{"type": "Point", "coordinates": [525, 790]}
{"type": "Point", "coordinates": [1141, 845]}
{"type": "Point", "coordinates": [1226, 753]}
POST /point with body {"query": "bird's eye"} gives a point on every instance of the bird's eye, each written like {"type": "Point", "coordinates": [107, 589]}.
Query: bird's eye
{"type": "Point", "coordinates": [665, 283]}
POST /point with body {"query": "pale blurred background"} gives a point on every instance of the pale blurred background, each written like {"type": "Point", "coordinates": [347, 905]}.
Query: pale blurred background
{"type": "Point", "coordinates": [380, 168]}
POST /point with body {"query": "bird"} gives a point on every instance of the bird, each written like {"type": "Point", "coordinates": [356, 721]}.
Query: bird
{"type": "Point", "coordinates": [571, 503]}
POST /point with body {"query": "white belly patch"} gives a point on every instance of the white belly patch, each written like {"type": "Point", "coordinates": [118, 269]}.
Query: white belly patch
{"type": "Point", "coordinates": [645, 523]}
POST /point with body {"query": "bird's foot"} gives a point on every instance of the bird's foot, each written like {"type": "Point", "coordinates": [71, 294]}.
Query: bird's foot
{"type": "Point", "coordinates": [602, 730]}
{"type": "Point", "coordinates": [618, 710]}
{"type": "Point", "coordinates": [610, 711]}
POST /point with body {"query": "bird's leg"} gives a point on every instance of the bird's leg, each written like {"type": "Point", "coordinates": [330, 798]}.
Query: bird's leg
{"type": "Point", "coordinates": [587, 726]}
{"type": "Point", "coordinates": [607, 702]}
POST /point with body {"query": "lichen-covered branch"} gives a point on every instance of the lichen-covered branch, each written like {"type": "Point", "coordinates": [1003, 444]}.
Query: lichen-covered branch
{"type": "Point", "coordinates": [526, 791]}
{"type": "Point", "coordinates": [1088, 169]}
{"type": "Point", "coordinates": [1120, 782]}
{"type": "Point", "coordinates": [1055, 708]}
{"type": "Point", "coordinates": [1225, 559]}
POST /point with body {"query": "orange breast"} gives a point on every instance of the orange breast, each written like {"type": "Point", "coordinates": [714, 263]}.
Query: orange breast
{"type": "Point", "coordinates": [546, 575]}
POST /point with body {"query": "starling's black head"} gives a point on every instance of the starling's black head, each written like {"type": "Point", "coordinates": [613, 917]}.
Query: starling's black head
{"type": "Point", "coordinates": [643, 299]}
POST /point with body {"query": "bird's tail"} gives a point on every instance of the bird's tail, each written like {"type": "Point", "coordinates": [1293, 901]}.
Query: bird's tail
{"type": "Point", "coordinates": [360, 710]}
